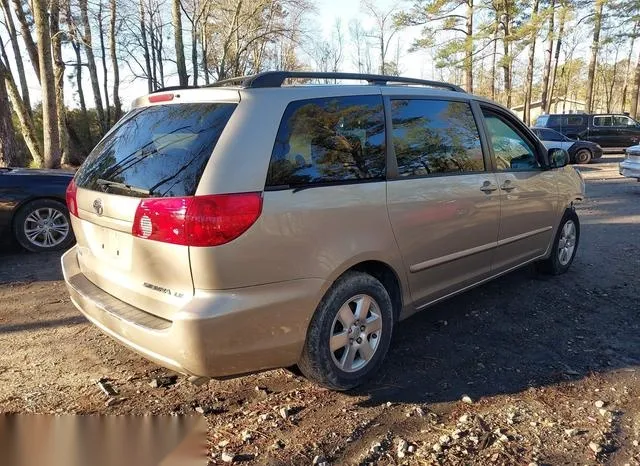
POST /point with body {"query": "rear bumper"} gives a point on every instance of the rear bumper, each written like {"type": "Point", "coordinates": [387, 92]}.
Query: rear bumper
{"type": "Point", "coordinates": [630, 169]}
{"type": "Point", "coordinates": [217, 334]}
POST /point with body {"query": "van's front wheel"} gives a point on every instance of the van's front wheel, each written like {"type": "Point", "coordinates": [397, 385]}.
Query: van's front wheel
{"type": "Point", "coordinates": [349, 334]}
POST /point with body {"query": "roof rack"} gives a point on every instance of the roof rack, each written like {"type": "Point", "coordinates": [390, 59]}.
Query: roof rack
{"type": "Point", "coordinates": [277, 78]}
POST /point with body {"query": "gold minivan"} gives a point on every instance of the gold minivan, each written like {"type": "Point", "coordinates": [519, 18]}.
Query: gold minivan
{"type": "Point", "coordinates": [256, 223]}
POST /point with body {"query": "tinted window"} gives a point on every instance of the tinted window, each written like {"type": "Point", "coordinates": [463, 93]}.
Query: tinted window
{"type": "Point", "coordinates": [602, 121]}
{"type": "Point", "coordinates": [550, 135]}
{"type": "Point", "coordinates": [562, 120]}
{"type": "Point", "coordinates": [329, 140]}
{"type": "Point", "coordinates": [511, 150]}
{"type": "Point", "coordinates": [435, 136]}
{"type": "Point", "coordinates": [574, 121]}
{"type": "Point", "coordinates": [542, 120]}
{"type": "Point", "coordinates": [156, 151]}
{"type": "Point", "coordinates": [623, 121]}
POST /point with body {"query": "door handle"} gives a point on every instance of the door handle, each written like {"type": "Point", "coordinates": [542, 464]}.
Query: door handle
{"type": "Point", "coordinates": [507, 186]}
{"type": "Point", "coordinates": [488, 187]}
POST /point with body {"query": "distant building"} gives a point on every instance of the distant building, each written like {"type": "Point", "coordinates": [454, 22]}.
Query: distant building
{"type": "Point", "coordinates": [558, 105]}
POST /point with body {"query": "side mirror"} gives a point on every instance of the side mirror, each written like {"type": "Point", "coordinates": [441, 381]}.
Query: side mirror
{"type": "Point", "coordinates": [558, 158]}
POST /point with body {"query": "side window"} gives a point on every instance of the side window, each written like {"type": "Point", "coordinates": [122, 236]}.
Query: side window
{"type": "Point", "coordinates": [602, 120]}
{"type": "Point", "coordinates": [542, 120]}
{"type": "Point", "coordinates": [575, 121]}
{"type": "Point", "coordinates": [329, 140]}
{"type": "Point", "coordinates": [548, 135]}
{"type": "Point", "coordinates": [434, 137]}
{"type": "Point", "coordinates": [623, 121]}
{"type": "Point", "coordinates": [512, 151]}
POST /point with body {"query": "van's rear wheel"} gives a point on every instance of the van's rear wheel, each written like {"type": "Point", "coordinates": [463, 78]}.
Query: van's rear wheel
{"type": "Point", "coordinates": [349, 334]}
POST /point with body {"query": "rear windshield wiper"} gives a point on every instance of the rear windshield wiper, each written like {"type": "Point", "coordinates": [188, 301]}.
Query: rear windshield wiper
{"type": "Point", "coordinates": [116, 184]}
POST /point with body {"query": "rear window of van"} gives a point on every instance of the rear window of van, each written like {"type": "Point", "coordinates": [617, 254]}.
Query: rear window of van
{"type": "Point", "coordinates": [156, 151]}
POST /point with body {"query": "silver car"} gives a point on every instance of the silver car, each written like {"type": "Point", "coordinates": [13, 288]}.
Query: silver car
{"type": "Point", "coordinates": [630, 166]}
{"type": "Point", "coordinates": [251, 224]}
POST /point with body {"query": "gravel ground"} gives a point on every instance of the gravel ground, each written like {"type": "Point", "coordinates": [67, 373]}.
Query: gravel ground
{"type": "Point", "coordinates": [526, 369]}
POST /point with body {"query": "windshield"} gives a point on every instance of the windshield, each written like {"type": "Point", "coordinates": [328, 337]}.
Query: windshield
{"type": "Point", "coordinates": [157, 151]}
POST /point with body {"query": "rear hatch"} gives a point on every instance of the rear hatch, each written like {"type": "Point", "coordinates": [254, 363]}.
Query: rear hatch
{"type": "Point", "coordinates": [155, 153]}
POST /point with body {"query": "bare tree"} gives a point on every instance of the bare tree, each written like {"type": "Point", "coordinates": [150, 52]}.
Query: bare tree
{"type": "Point", "coordinates": [103, 59]}
{"type": "Point", "coordinates": [595, 45]}
{"type": "Point", "coordinates": [506, 21]}
{"type": "Point", "coordinates": [17, 54]}
{"type": "Point", "coordinates": [635, 92]}
{"type": "Point", "coordinates": [328, 54]}
{"type": "Point", "coordinates": [91, 64]}
{"type": "Point", "coordinates": [179, 45]}
{"type": "Point", "coordinates": [9, 155]}
{"type": "Point", "coordinates": [114, 61]}
{"type": "Point", "coordinates": [548, 54]}
{"type": "Point", "coordinates": [58, 76]}
{"type": "Point", "coordinates": [532, 52]}
{"type": "Point", "coordinates": [51, 136]}
{"type": "Point", "coordinates": [556, 59]}
{"type": "Point", "coordinates": [385, 29]}
{"type": "Point", "coordinates": [362, 58]}
{"type": "Point", "coordinates": [27, 38]}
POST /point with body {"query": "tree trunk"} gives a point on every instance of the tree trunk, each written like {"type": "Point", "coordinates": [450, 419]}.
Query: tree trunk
{"type": "Point", "coordinates": [547, 56]}
{"type": "Point", "coordinates": [177, 28]}
{"type": "Point", "coordinates": [494, 54]}
{"type": "Point", "coordinates": [194, 51]}
{"type": "Point", "coordinates": [160, 58]}
{"type": "Point", "coordinates": [49, 112]}
{"type": "Point", "coordinates": [145, 46]}
{"type": "Point", "coordinates": [9, 154]}
{"type": "Point", "coordinates": [58, 77]}
{"type": "Point", "coordinates": [595, 45]}
{"type": "Point", "coordinates": [154, 48]}
{"type": "Point", "coordinates": [117, 105]}
{"type": "Point", "coordinates": [26, 123]}
{"type": "Point", "coordinates": [635, 92]}
{"type": "Point", "coordinates": [556, 59]}
{"type": "Point", "coordinates": [506, 59]}
{"type": "Point", "coordinates": [529, 79]}
{"type": "Point", "coordinates": [627, 71]}
{"type": "Point", "coordinates": [91, 63]}
{"type": "Point", "coordinates": [468, 49]}
{"type": "Point", "coordinates": [25, 30]}
{"type": "Point", "coordinates": [84, 121]}
{"type": "Point", "coordinates": [105, 75]}
{"type": "Point", "coordinates": [205, 51]}
{"type": "Point", "coordinates": [17, 55]}
{"type": "Point", "coordinates": [613, 83]}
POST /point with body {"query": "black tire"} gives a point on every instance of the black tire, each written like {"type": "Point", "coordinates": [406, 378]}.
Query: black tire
{"type": "Point", "coordinates": [583, 156]}
{"type": "Point", "coordinates": [316, 362]}
{"type": "Point", "coordinates": [552, 265]}
{"type": "Point", "coordinates": [61, 243]}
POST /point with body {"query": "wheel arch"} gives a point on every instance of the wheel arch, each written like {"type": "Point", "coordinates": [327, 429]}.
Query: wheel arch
{"type": "Point", "coordinates": [385, 274]}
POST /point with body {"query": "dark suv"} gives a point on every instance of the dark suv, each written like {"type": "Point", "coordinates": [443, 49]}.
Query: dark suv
{"type": "Point", "coordinates": [611, 131]}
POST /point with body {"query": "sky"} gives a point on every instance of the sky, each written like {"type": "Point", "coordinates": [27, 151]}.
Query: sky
{"type": "Point", "coordinates": [416, 64]}
{"type": "Point", "coordinates": [327, 11]}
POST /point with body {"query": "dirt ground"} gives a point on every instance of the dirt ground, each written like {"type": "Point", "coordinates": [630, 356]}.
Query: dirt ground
{"type": "Point", "coordinates": [549, 366]}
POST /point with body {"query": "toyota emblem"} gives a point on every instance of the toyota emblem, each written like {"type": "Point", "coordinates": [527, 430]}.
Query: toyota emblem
{"type": "Point", "coordinates": [97, 206]}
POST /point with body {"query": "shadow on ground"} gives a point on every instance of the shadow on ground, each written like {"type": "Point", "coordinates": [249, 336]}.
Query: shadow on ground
{"type": "Point", "coordinates": [18, 265]}
{"type": "Point", "coordinates": [42, 324]}
{"type": "Point", "coordinates": [526, 330]}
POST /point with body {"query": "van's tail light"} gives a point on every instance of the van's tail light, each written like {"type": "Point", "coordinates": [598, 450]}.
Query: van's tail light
{"type": "Point", "coordinates": [197, 220]}
{"type": "Point", "coordinates": [72, 202]}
